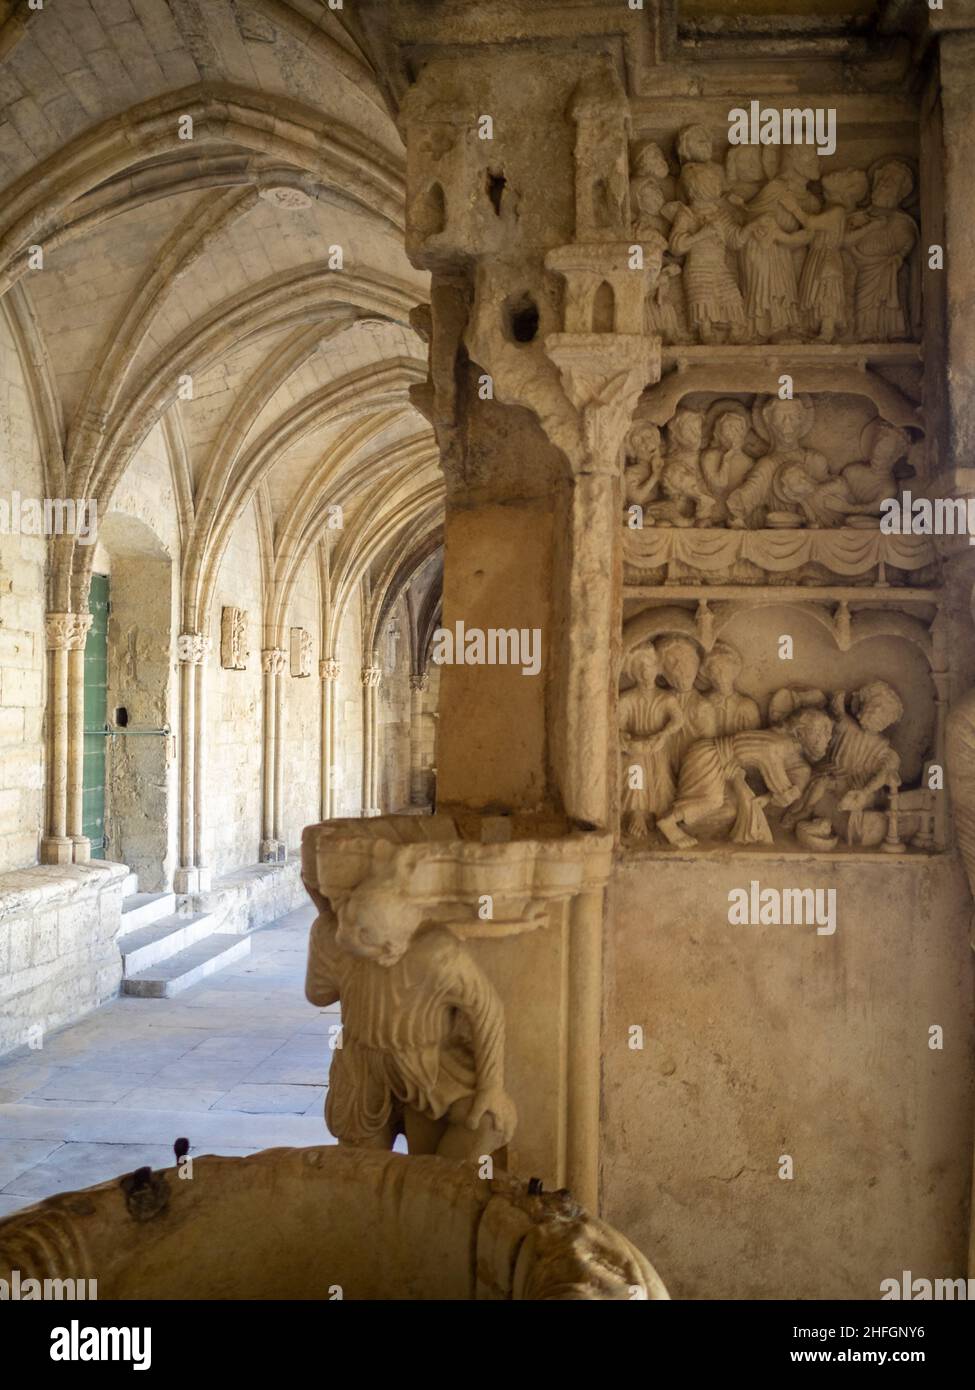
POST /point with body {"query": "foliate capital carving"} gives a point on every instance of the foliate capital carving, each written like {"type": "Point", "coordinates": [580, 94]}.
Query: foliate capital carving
{"type": "Point", "coordinates": [274, 661]}
{"type": "Point", "coordinates": [420, 684]}
{"type": "Point", "coordinates": [371, 676]}
{"type": "Point", "coordinates": [60, 630]}
{"type": "Point", "coordinates": [329, 670]}
{"type": "Point", "coordinates": [192, 648]}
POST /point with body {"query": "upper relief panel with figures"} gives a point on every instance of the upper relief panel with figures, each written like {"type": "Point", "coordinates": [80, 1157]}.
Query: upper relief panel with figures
{"type": "Point", "coordinates": [763, 246]}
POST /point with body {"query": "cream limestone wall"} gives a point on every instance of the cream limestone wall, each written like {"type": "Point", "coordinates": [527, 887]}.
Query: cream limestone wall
{"type": "Point", "coordinates": [394, 712]}
{"type": "Point", "coordinates": [765, 1041]}
{"type": "Point", "coordinates": [348, 715]}
{"type": "Point", "coordinates": [21, 623]}
{"type": "Point", "coordinates": [234, 711]}
{"type": "Point", "coordinates": [302, 781]}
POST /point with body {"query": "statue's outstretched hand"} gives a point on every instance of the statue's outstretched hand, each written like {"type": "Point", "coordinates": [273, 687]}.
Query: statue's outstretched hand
{"type": "Point", "coordinates": [498, 1106]}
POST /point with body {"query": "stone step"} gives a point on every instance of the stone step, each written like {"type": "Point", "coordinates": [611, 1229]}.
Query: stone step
{"type": "Point", "coordinates": [142, 909]}
{"type": "Point", "coordinates": [146, 946]}
{"type": "Point", "coordinates": [187, 967]}
{"type": "Point", "coordinates": [130, 885]}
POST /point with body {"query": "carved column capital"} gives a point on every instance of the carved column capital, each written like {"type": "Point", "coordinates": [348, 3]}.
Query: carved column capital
{"type": "Point", "coordinates": [371, 676]}
{"type": "Point", "coordinates": [420, 684]}
{"type": "Point", "coordinates": [329, 670]}
{"type": "Point", "coordinates": [192, 648]}
{"type": "Point", "coordinates": [82, 626]}
{"type": "Point", "coordinates": [274, 661]}
{"type": "Point", "coordinates": [59, 630]}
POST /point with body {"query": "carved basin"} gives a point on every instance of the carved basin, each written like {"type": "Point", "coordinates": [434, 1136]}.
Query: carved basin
{"type": "Point", "coordinates": [438, 866]}
{"type": "Point", "coordinates": [324, 1223]}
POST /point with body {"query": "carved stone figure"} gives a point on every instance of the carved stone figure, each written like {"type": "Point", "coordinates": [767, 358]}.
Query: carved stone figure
{"type": "Point", "coordinates": [679, 664]}
{"type": "Point", "coordinates": [725, 465]}
{"type": "Point", "coordinates": [822, 284]}
{"type": "Point", "coordinates": [705, 232]}
{"type": "Point", "coordinates": [860, 488]}
{"type": "Point", "coordinates": [233, 639]}
{"type": "Point", "coordinates": [862, 761]}
{"type": "Point", "coordinates": [685, 499]}
{"type": "Point", "coordinates": [644, 466]}
{"type": "Point", "coordinates": [422, 1029]}
{"type": "Point", "coordinates": [733, 711]}
{"type": "Point", "coordinates": [879, 249]}
{"type": "Point", "coordinates": [775, 488]}
{"type": "Point", "coordinates": [768, 261]}
{"type": "Point", "coordinates": [301, 657]}
{"type": "Point", "coordinates": [649, 719]}
{"type": "Point", "coordinates": [714, 766]}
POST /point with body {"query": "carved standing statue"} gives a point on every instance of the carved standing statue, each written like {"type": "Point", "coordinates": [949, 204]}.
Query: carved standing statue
{"type": "Point", "coordinates": [649, 718]}
{"type": "Point", "coordinates": [422, 1047]}
{"type": "Point", "coordinates": [880, 248]}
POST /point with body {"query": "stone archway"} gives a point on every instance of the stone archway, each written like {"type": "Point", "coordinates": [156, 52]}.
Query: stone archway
{"type": "Point", "coordinates": [140, 817]}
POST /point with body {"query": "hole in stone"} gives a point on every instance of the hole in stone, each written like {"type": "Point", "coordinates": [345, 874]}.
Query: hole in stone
{"type": "Point", "coordinates": [604, 309]}
{"type": "Point", "coordinates": [495, 188]}
{"type": "Point", "coordinates": [521, 316]}
{"type": "Point", "coordinates": [121, 717]}
{"type": "Point", "coordinates": [430, 212]}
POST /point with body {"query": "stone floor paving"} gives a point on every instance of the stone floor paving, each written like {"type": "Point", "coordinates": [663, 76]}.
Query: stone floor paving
{"type": "Point", "coordinates": [236, 1064]}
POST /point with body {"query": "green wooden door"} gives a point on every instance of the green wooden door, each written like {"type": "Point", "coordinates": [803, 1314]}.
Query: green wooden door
{"type": "Point", "coordinates": [96, 717]}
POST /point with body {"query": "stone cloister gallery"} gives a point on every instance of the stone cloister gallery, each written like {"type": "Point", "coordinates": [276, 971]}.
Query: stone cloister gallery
{"type": "Point", "coordinates": [486, 647]}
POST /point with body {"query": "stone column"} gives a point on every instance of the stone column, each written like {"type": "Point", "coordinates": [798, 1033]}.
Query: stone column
{"type": "Point", "coordinates": [57, 846]}
{"type": "Point", "coordinates": [538, 357]}
{"type": "Point", "coordinates": [274, 663]}
{"type": "Point", "coordinates": [329, 671]}
{"type": "Point", "coordinates": [203, 869]}
{"type": "Point", "coordinates": [419, 684]}
{"type": "Point", "coordinates": [76, 738]}
{"type": "Point", "coordinates": [191, 649]}
{"type": "Point", "coordinates": [371, 676]}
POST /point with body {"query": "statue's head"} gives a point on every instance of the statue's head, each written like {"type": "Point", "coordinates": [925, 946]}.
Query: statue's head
{"type": "Point", "coordinates": [787, 421]}
{"type": "Point", "coordinates": [648, 196]}
{"type": "Point", "coordinates": [814, 729]}
{"type": "Point", "coordinates": [679, 662]}
{"type": "Point", "coordinates": [892, 182]}
{"type": "Point", "coordinates": [801, 162]}
{"type": "Point", "coordinates": [885, 444]}
{"type": "Point", "coordinates": [644, 666]}
{"type": "Point", "coordinates": [703, 182]}
{"type": "Point", "coordinates": [643, 441]}
{"type": "Point", "coordinates": [848, 187]}
{"type": "Point", "coordinates": [694, 145]}
{"type": "Point", "coordinates": [377, 924]}
{"type": "Point", "coordinates": [721, 667]}
{"type": "Point", "coordinates": [731, 429]}
{"type": "Point", "coordinates": [877, 706]}
{"type": "Point", "coordinates": [686, 429]}
{"type": "Point", "coordinates": [650, 162]}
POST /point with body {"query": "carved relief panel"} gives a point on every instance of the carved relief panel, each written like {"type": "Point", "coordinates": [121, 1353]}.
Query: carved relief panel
{"type": "Point", "coordinates": [233, 639]}
{"type": "Point", "coordinates": [301, 653]}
